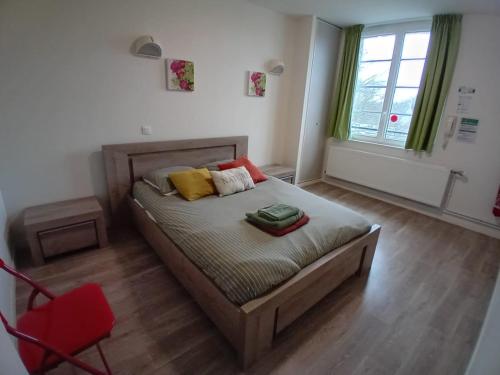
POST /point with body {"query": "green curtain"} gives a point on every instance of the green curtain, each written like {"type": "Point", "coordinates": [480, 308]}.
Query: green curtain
{"type": "Point", "coordinates": [341, 106]}
{"type": "Point", "coordinates": [438, 72]}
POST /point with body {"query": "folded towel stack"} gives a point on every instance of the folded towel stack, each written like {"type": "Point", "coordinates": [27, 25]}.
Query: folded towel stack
{"type": "Point", "coordinates": [278, 219]}
{"type": "Point", "coordinates": [278, 212]}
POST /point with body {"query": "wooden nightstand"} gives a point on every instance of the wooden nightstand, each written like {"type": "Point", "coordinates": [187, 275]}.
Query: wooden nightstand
{"type": "Point", "coordinates": [61, 227]}
{"type": "Point", "coordinates": [286, 174]}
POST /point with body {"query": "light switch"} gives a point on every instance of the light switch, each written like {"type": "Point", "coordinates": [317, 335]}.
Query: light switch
{"type": "Point", "coordinates": [146, 130]}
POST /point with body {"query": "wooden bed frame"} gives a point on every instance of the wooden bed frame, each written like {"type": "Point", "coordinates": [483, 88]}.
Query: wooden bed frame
{"type": "Point", "coordinates": [250, 328]}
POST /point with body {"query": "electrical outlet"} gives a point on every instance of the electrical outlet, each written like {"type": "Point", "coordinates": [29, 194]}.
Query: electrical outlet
{"type": "Point", "coordinates": [146, 130]}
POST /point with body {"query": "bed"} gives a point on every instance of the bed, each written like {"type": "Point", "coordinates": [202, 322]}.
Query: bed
{"type": "Point", "coordinates": [204, 242]}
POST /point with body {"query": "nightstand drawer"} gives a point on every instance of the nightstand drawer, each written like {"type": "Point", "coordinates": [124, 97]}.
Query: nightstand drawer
{"type": "Point", "coordinates": [68, 238]}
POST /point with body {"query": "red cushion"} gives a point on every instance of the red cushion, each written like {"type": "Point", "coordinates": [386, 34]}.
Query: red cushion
{"type": "Point", "coordinates": [70, 323]}
{"type": "Point", "coordinates": [255, 172]}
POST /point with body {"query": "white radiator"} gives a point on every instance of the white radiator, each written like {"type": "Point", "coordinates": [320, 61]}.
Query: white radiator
{"type": "Point", "coordinates": [420, 182]}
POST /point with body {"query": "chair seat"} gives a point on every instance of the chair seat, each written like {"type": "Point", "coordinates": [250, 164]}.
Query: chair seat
{"type": "Point", "coordinates": [71, 323]}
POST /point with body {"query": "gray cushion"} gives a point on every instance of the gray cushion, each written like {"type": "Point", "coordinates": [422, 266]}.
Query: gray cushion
{"type": "Point", "coordinates": [159, 180]}
{"type": "Point", "coordinates": [214, 165]}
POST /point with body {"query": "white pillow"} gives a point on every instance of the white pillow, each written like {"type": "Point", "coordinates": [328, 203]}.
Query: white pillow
{"type": "Point", "coordinates": [232, 181]}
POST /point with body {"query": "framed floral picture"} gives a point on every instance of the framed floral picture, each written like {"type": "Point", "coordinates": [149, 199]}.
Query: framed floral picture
{"type": "Point", "coordinates": [256, 84]}
{"type": "Point", "coordinates": [180, 75]}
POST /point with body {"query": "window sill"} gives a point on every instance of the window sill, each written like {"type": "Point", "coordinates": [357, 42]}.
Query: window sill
{"type": "Point", "coordinates": [373, 142]}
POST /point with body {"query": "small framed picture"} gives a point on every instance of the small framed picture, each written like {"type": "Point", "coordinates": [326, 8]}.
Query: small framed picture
{"type": "Point", "coordinates": [180, 75]}
{"type": "Point", "coordinates": [256, 84]}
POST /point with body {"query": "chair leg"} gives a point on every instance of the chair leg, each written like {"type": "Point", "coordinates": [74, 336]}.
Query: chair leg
{"type": "Point", "coordinates": [103, 359]}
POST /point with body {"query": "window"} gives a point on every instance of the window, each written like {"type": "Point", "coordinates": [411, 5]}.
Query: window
{"type": "Point", "coordinates": [390, 67]}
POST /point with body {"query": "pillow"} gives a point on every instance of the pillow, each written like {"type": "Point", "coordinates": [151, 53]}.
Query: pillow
{"type": "Point", "coordinates": [232, 181]}
{"type": "Point", "coordinates": [214, 165]}
{"type": "Point", "coordinates": [255, 172]}
{"type": "Point", "coordinates": [158, 179]}
{"type": "Point", "coordinates": [193, 184]}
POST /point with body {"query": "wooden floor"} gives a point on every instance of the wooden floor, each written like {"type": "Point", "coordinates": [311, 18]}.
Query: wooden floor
{"type": "Point", "coordinates": [419, 311]}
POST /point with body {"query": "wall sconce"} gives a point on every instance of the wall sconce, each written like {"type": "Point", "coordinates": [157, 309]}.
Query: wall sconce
{"type": "Point", "coordinates": [276, 67]}
{"type": "Point", "coordinates": [145, 46]}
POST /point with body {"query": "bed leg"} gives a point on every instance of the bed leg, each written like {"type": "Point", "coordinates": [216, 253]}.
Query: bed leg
{"type": "Point", "coordinates": [369, 252]}
{"type": "Point", "coordinates": [257, 333]}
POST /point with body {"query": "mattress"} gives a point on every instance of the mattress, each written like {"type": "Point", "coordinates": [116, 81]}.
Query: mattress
{"type": "Point", "coordinates": [240, 259]}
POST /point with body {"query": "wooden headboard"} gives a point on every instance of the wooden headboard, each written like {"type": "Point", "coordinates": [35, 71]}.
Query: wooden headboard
{"type": "Point", "coordinates": [128, 162]}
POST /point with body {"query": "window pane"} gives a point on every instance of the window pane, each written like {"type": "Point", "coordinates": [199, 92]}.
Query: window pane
{"type": "Point", "coordinates": [410, 72]}
{"type": "Point", "coordinates": [357, 132]}
{"type": "Point", "coordinates": [415, 45]}
{"type": "Point", "coordinates": [374, 73]}
{"type": "Point", "coordinates": [377, 48]}
{"type": "Point", "coordinates": [365, 123]}
{"type": "Point", "coordinates": [404, 101]}
{"type": "Point", "coordinates": [368, 99]}
{"type": "Point", "coordinates": [398, 130]}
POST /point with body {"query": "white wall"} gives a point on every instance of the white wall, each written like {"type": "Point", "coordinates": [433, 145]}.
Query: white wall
{"type": "Point", "coordinates": [7, 296]}
{"type": "Point", "coordinates": [477, 66]}
{"type": "Point", "coordinates": [9, 360]}
{"type": "Point", "coordinates": [485, 359]}
{"type": "Point", "coordinates": [69, 84]}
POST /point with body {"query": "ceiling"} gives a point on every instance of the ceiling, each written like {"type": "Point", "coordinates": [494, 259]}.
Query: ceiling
{"type": "Point", "coordinates": [349, 12]}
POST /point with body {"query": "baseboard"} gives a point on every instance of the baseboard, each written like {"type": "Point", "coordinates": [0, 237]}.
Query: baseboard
{"type": "Point", "coordinates": [416, 206]}
{"type": "Point", "coordinates": [310, 182]}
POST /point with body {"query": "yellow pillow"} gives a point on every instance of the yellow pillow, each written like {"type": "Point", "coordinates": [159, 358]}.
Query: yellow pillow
{"type": "Point", "coordinates": [193, 184]}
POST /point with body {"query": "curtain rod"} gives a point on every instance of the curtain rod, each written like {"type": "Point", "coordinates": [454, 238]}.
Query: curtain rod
{"type": "Point", "coordinates": [405, 20]}
{"type": "Point", "coordinates": [417, 19]}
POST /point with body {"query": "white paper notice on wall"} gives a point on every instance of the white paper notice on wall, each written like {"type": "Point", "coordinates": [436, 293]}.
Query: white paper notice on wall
{"type": "Point", "coordinates": [465, 95]}
{"type": "Point", "coordinates": [467, 131]}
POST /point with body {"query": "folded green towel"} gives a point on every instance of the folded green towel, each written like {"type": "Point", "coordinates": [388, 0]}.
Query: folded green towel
{"type": "Point", "coordinates": [278, 212]}
{"type": "Point", "coordinates": [276, 224]}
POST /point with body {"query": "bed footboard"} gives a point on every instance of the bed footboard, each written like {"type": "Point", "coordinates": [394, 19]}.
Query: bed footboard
{"type": "Point", "coordinates": [265, 317]}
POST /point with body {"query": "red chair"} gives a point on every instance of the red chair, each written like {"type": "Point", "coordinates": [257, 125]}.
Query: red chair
{"type": "Point", "coordinates": [66, 325]}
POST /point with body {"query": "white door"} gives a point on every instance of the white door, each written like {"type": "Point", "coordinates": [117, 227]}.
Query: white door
{"type": "Point", "coordinates": [324, 63]}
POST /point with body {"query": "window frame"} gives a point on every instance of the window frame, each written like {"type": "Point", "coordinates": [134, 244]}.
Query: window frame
{"type": "Point", "coordinates": [399, 30]}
